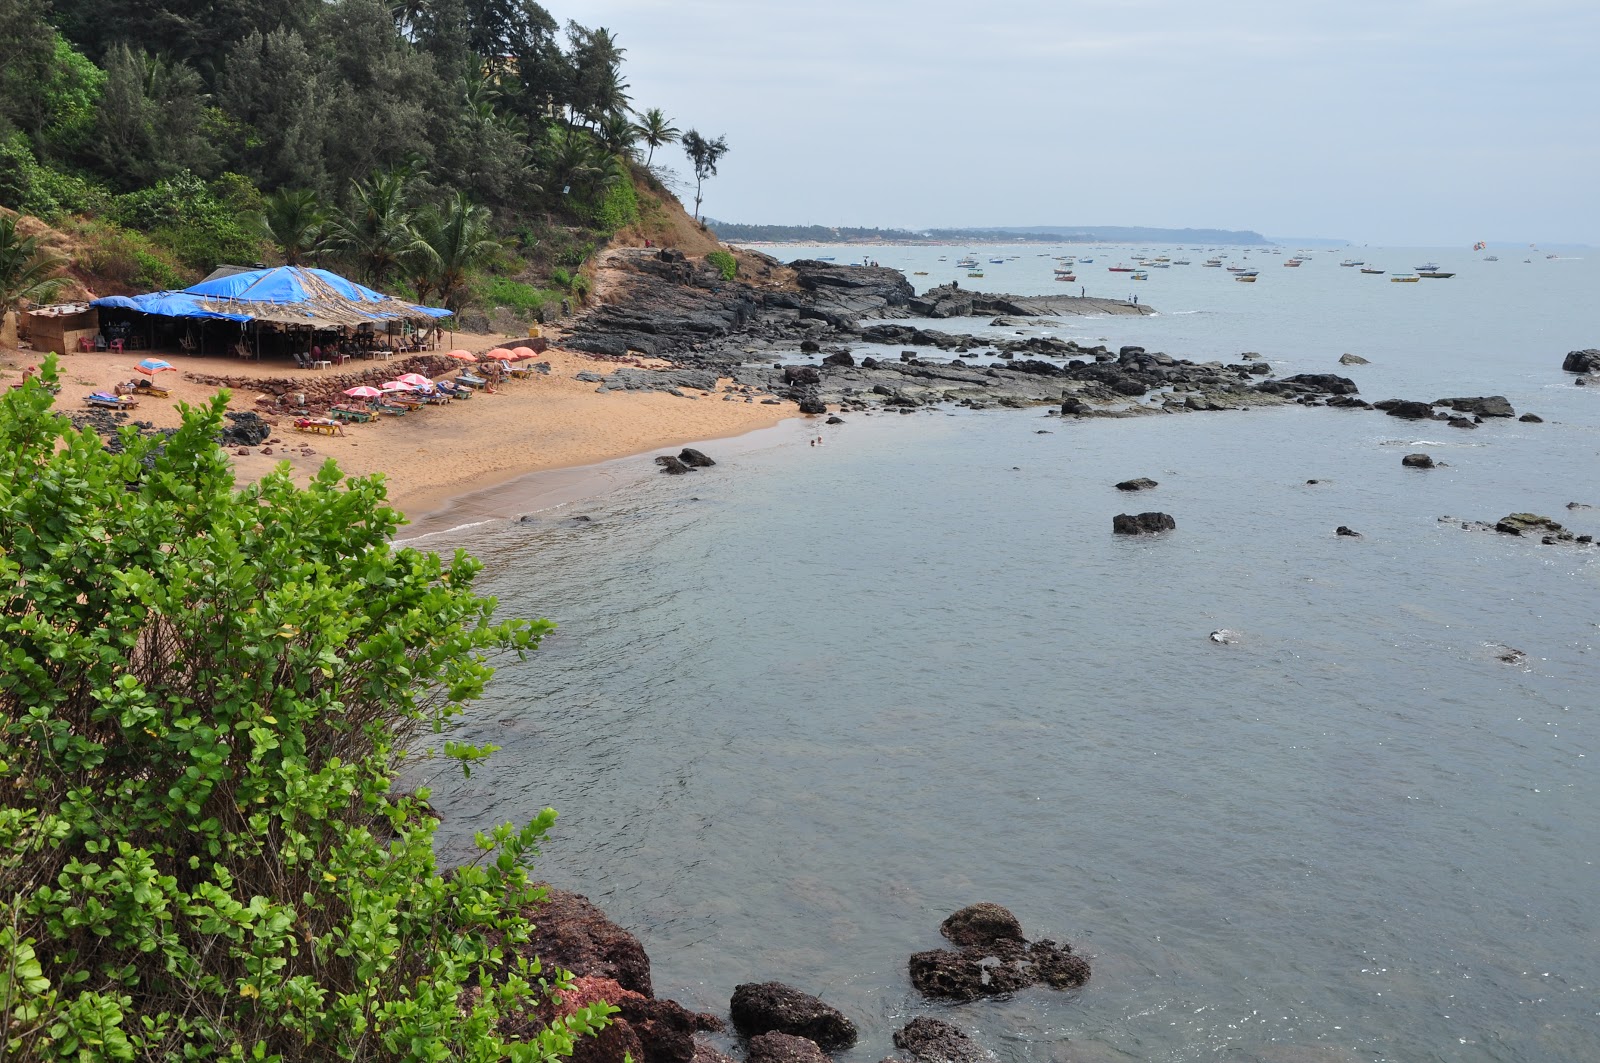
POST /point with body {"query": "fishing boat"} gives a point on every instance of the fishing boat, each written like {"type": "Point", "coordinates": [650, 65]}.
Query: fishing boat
{"type": "Point", "coordinates": [824, 258]}
{"type": "Point", "coordinates": [998, 261]}
{"type": "Point", "coordinates": [1404, 278]}
{"type": "Point", "coordinates": [1248, 276]}
{"type": "Point", "coordinates": [1291, 262]}
{"type": "Point", "coordinates": [1212, 263]}
{"type": "Point", "coordinates": [1431, 267]}
{"type": "Point", "coordinates": [1138, 275]}
{"type": "Point", "coordinates": [1491, 258]}
{"type": "Point", "coordinates": [1352, 262]}
{"type": "Point", "coordinates": [976, 273]}
{"type": "Point", "coordinates": [1066, 276]}
{"type": "Point", "coordinates": [1162, 265]}
{"type": "Point", "coordinates": [920, 273]}
{"type": "Point", "coordinates": [969, 262]}
{"type": "Point", "coordinates": [1085, 260]}
{"type": "Point", "coordinates": [1379, 272]}
{"type": "Point", "coordinates": [1239, 269]}
{"type": "Point", "coordinates": [1436, 274]}
{"type": "Point", "coordinates": [1180, 262]}
{"type": "Point", "coordinates": [1120, 269]}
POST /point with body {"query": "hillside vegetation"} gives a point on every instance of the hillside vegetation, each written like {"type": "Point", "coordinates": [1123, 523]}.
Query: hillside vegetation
{"type": "Point", "coordinates": [470, 153]}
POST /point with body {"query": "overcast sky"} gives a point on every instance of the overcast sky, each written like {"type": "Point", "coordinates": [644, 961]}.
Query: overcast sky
{"type": "Point", "coordinates": [1423, 122]}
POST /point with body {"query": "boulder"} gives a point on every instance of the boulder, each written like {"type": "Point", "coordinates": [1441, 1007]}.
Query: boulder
{"type": "Point", "coordinates": [762, 1007]}
{"type": "Point", "coordinates": [1529, 523]}
{"type": "Point", "coordinates": [841, 358]}
{"type": "Point", "coordinates": [809, 346]}
{"type": "Point", "coordinates": [671, 465]}
{"type": "Point", "coordinates": [931, 1040]}
{"type": "Point", "coordinates": [982, 924]}
{"type": "Point", "coordinates": [1142, 523]}
{"type": "Point", "coordinates": [1411, 411]}
{"type": "Point", "coordinates": [1480, 405]}
{"type": "Point", "coordinates": [1342, 530]}
{"type": "Point", "coordinates": [1417, 461]}
{"type": "Point", "coordinates": [1461, 422]}
{"type": "Point", "coordinates": [1352, 359]}
{"type": "Point", "coordinates": [1585, 361]}
{"type": "Point", "coordinates": [834, 420]}
{"type": "Point", "coordinates": [813, 405]}
{"type": "Point", "coordinates": [783, 1048]}
{"type": "Point", "coordinates": [1142, 483]}
{"type": "Point", "coordinates": [801, 374]}
{"type": "Point", "coordinates": [694, 458]}
{"type": "Point", "coordinates": [1531, 418]}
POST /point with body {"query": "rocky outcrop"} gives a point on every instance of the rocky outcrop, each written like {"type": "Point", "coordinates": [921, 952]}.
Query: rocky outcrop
{"type": "Point", "coordinates": [1406, 408]}
{"type": "Point", "coordinates": [762, 1007]}
{"type": "Point", "coordinates": [784, 1048]}
{"type": "Point", "coordinates": [672, 465]}
{"type": "Point", "coordinates": [1417, 461]}
{"type": "Point", "coordinates": [1585, 361]}
{"type": "Point", "coordinates": [1480, 406]}
{"type": "Point", "coordinates": [992, 959]}
{"type": "Point", "coordinates": [662, 303]}
{"type": "Point", "coordinates": [695, 459]}
{"type": "Point", "coordinates": [1351, 532]}
{"type": "Point", "coordinates": [570, 932]}
{"type": "Point", "coordinates": [1142, 523]}
{"type": "Point", "coordinates": [1142, 483]}
{"type": "Point", "coordinates": [1352, 359]}
{"type": "Point", "coordinates": [931, 1040]}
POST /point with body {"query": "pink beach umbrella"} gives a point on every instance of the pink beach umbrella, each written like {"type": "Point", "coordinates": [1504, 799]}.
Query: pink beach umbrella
{"type": "Point", "coordinates": [500, 354]}
{"type": "Point", "coordinates": [152, 366]}
{"type": "Point", "coordinates": [417, 380]}
{"type": "Point", "coordinates": [363, 392]}
{"type": "Point", "coordinates": [462, 356]}
{"type": "Point", "coordinates": [397, 385]}
{"type": "Point", "coordinates": [521, 354]}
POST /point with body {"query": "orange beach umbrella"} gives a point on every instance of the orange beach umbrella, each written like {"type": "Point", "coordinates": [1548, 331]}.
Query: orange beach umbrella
{"type": "Point", "coordinates": [500, 354]}
{"type": "Point", "coordinates": [521, 354]}
{"type": "Point", "coordinates": [462, 356]}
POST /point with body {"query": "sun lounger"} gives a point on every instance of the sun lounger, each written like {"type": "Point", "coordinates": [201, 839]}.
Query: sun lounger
{"type": "Point", "coordinates": [392, 409]}
{"type": "Point", "coordinates": [352, 414]}
{"type": "Point", "coordinates": [108, 402]}
{"type": "Point", "coordinates": [447, 388]}
{"type": "Point", "coordinates": [471, 381]}
{"type": "Point", "coordinates": [326, 426]}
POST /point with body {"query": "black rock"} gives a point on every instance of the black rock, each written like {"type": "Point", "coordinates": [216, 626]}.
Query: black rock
{"type": "Point", "coordinates": [1342, 530]}
{"type": "Point", "coordinates": [694, 458]}
{"type": "Point", "coordinates": [841, 358]}
{"type": "Point", "coordinates": [1352, 359]}
{"type": "Point", "coordinates": [931, 1040]}
{"type": "Point", "coordinates": [1411, 411]}
{"type": "Point", "coordinates": [1143, 483]}
{"type": "Point", "coordinates": [1142, 523]}
{"type": "Point", "coordinates": [801, 374]}
{"type": "Point", "coordinates": [1461, 422]}
{"type": "Point", "coordinates": [834, 420]}
{"type": "Point", "coordinates": [1531, 418]}
{"type": "Point", "coordinates": [813, 405]}
{"type": "Point", "coordinates": [809, 346]}
{"type": "Point", "coordinates": [981, 924]}
{"type": "Point", "coordinates": [1586, 361]}
{"type": "Point", "coordinates": [762, 1007]}
{"type": "Point", "coordinates": [671, 465]}
{"type": "Point", "coordinates": [1417, 461]}
{"type": "Point", "coordinates": [1481, 405]}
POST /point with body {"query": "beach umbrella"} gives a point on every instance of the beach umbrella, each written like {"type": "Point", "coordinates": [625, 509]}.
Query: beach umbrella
{"type": "Point", "coordinates": [500, 354]}
{"type": "Point", "coordinates": [397, 385]}
{"type": "Point", "coordinates": [152, 366]}
{"type": "Point", "coordinates": [416, 379]}
{"type": "Point", "coordinates": [462, 356]}
{"type": "Point", "coordinates": [363, 392]}
{"type": "Point", "coordinates": [521, 354]}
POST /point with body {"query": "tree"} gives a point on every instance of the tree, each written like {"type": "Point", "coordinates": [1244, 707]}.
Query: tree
{"type": "Point", "coordinates": [152, 119]}
{"type": "Point", "coordinates": [703, 156]}
{"type": "Point", "coordinates": [275, 88]}
{"type": "Point", "coordinates": [376, 233]}
{"type": "Point", "coordinates": [205, 696]}
{"type": "Point", "coordinates": [295, 221]}
{"type": "Point", "coordinates": [27, 271]}
{"type": "Point", "coordinates": [656, 130]}
{"type": "Point", "coordinates": [617, 135]}
{"type": "Point", "coordinates": [459, 239]}
{"type": "Point", "coordinates": [573, 162]}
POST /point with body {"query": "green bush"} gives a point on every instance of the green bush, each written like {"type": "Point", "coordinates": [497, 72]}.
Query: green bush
{"type": "Point", "coordinates": [524, 300]}
{"type": "Point", "coordinates": [725, 263]}
{"type": "Point", "coordinates": [203, 225]}
{"type": "Point", "coordinates": [28, 187]}
{"type": "Point", "coordinates": [616, 209]}
{"type": "Point", "coordinates": [561, 278]}
{"type": "Point", "coordinates": [126, 259]}
{"type": "Point", "coordinates": [205, 695]}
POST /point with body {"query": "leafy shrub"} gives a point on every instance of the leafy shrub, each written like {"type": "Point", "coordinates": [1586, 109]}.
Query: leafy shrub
{"type": "Point", "coordinates": [616, 209]}
{"type": "Point", "coordinates": [561, 278]}
{"type": "Point", "coordinates": [127, 259]}
{"type": "Point", "coordinates": [203, 225]}
{"type": "Point", "coordinates": [725, 263]}
{"type": "Point", "coordinates": [29, 187]}
{"type": "Point", "coordinates": [524, 300]}
{"type": "Point", "coordinates": [205, 694]}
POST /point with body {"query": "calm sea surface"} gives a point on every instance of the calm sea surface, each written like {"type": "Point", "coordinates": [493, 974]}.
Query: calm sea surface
{"type": "Point", "coordinates": [802, 706]}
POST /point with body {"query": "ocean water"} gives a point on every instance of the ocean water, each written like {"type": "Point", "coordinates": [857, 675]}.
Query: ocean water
{"type": "Point", "coordinates": [803, 705]}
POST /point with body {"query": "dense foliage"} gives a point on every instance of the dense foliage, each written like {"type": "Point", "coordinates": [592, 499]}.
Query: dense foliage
{"type": "Point", "coordinates": [205, 696]}
{"type": "Point", "coordinates": [194, 123]}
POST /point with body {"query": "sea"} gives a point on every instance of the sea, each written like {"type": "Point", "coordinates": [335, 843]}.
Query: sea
{"type": "Point", "coordinates": [803, 705]}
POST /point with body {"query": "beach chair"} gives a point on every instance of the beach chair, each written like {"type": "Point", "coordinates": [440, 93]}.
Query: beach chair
{"type": "Point", "coordinates": [351, 414]}
{"type": "Point", "coordinates": [471, 381]}
{"type": "Point", "coordinates": [101, 400]}
{"type": "Point", "coordinates": [392, 409]}
{"type": "Point", "coordinates": [446, 388]}
{"type": "Point", "coordinates": [326, 426]}
{"type": "Point", "coordinates": [155, 391]}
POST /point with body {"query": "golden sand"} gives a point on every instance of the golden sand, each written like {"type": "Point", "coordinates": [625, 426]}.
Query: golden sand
{"type": "Point", "coordinates": [438, 453]}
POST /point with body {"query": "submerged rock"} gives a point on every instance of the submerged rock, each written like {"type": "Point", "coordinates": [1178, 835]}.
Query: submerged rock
{"type": "Point", "coordinates": [694, 458]}
{"type": "Point", "coordinates": [1342, 530]}
{"type": "Point", "coordinates": [671, 465]}
{"type": "Point", "coordinates": [1142, 483]}
{"type": "Point", "coordinates": [1417, 461]}
{"type": "Point", "coordinates": [931, 1040]}
{"type": "Point", "coordinates": [1352, 359]}
{"type": "Point", "coordinates": [1482, 405]}
{"type": "Point", "coordinates": [992, 959]}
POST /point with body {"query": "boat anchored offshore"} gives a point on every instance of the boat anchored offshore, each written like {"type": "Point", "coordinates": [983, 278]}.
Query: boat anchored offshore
{"type": "Point", "coordinates": [1436, 274]}
{"type": "Point", "coordinates": [1404, 278]}
{"type": "Point", "coordinates": [1248, 276]}
{"type": "Point", "coordinates": [1379, 272]}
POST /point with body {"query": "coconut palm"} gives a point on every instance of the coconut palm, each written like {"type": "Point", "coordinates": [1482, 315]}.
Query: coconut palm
{"type": "Point", "coordinates": [294, 220]}
{"type": "Point", "coordinates": [617, 135]}
{"type": "Point", "coordinates": [573, 161]}
{"type": "Point", "coordinates": [458, 239]}
{"type": "Point", "coordinates": [656, 130]}
{"type": "Point", "coordinates": [376, 233]}
{"type": "Point", "coordinates": [27, 271]}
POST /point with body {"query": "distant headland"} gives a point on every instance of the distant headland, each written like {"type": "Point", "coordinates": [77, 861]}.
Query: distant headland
{"type": "Point", "coordinates": [1041, 234]}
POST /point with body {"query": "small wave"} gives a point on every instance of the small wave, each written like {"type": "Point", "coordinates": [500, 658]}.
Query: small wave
{"type": "Point", "coordinates": [454, 528]}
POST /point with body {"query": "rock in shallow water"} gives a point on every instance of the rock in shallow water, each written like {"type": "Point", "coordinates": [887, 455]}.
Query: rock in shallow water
{"type": "Point", "coordinates": [1417, 461]}
{"type": "Point", "coordinates": [762, 1007]}
{"type": "Point", "coordinates": [931, 1040]}
{"type": "Point", "coordinates": [784, 1048]}
{"type": "Point", "coordinates": [1142, 523]}
{"type": "Point", "coordinates": [1142, 483]}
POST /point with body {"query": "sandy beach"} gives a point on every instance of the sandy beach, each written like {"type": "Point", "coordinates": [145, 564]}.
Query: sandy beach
{"type": "Point", "coordinates": [428, 458]}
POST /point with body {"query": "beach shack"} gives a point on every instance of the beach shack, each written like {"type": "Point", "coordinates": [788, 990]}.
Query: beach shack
{"type": "Point", "coordinates": [62, 328]}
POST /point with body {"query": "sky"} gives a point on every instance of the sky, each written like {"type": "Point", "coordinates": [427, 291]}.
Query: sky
{"type": "Point", "coordinates": [1402, 122]}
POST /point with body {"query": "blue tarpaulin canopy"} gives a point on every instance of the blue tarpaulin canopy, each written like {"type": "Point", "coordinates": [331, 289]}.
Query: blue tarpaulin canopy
{"type": "Point", "coordinates": [289, 295]}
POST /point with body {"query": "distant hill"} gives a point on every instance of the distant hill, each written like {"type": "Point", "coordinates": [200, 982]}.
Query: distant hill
{"type": "Point", "coordinates": [1044, 234]}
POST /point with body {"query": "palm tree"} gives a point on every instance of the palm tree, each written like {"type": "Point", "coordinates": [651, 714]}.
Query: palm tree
{"type": "Point", "coordinates": [458, 238]}
{"type": "Point", "coordinates": [617, 134]}
{"type": "Point", "coordinates": [295, 221]}
{"type": "Point", "coordinates": [573, 160]}
{"type": "Point", "coordinates": [376, 232]}
{"type": "Point", "coordinates": [27, 271]}
{"type": "Point", "coordinates": [656, 130]}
